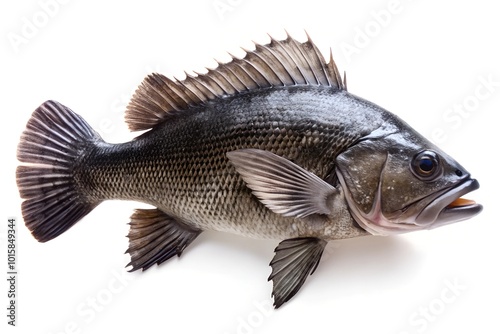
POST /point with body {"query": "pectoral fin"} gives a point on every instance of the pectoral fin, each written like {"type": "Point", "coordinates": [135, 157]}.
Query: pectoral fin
{"type": "Point", "coordinates": [281, 185]}
{"type": "Point", "coordinates": [294, 260]}
{"type": "Point", "coordinates": [155, 237]}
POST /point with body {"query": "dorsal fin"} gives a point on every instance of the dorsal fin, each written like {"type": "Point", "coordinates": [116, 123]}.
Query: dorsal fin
{"type": "Point", "coordinates": [277, 64]}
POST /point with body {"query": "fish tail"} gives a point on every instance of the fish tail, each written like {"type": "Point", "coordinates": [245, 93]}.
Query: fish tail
{"type": "Point", "coordinates": [50, 147]}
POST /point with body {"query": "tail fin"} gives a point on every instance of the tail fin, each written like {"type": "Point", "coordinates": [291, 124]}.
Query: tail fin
{"type": "Point", "coordinates": [53, 140]}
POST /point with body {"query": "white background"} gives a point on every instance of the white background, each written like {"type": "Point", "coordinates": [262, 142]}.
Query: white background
{"type": "Point", "coordinates": [418, 62]}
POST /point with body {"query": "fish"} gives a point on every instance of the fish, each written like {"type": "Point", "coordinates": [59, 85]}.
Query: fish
{"type": "Point", "coordinates": [269, 146]}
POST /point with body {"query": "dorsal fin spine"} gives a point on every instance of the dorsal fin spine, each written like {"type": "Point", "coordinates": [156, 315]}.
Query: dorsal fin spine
{"type": "Point", "coordinates": [287, 71]}
{"type": "Point", "coordinates": [221, 73]}
{"type": "Point", "coordinates": [208, 82]}
{"type": "Point", "coordinates": [200, 86]}
{"type": "Point", "coordinates": [263, 79]}
{"type": "Point", "coordinates": [290, 49]}
{"type": "Point", "coordinates": [180, 93]}
{"type": "Point", "coordinates": [279, 63]}
{"type": "Point", "coordinates": [283, 52]}
{"type": "Point", "coordinates": [212, 76]}
{"type": "Point", "coordinates": [226, 86]}
{"type": "Point", "coordinates": [309, 76]}
{"type": "Point", "coordinates": [334, 72]}
{"type": "Point", "coordinates": [195, 98]}
{"type": "Point", "coordinates": [189, 81]}
{"type": "Point", "coordinates": [252, 84]}
{"type": "Point", "coordinates": [228, 71]}
{"type": "Point", "coordinates": [261, 65]}
{"type": "Point", "coordinates": [321, 60]}
{"type": "Point", "coordinates": [322, 74]}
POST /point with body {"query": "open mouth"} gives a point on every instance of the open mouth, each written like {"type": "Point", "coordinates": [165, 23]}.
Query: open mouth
{"type": "Point", "coordinates": [450, 207]}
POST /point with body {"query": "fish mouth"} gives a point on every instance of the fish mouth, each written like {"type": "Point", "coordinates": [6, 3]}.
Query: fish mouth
{"type": "Point", "coordinates": [450, 207]}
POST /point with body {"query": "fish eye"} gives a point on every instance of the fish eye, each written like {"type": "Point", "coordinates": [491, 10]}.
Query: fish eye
{"type": "Point", "coordinates": [426, 165]}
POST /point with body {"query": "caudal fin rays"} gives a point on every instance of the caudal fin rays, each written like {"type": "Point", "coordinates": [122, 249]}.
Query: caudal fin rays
{"type": "Point", "coordinates": [55, 137]}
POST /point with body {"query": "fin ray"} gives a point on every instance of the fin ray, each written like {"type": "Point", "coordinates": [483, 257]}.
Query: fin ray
{"type": "Point", "coordinates": [281, 185]}
{"type": "Point", "coordinates": [155, 237]}
{"type": "Point", "coordinates": [54, 139]}
{"type": "Point", "coordinates": [280, 63]}
{"type": "Point", "coordinates": [294, 260]}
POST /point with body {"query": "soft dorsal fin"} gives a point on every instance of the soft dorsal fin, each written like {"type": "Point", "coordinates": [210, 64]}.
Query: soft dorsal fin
{"type": "Point", "coordinates": [277, 64]}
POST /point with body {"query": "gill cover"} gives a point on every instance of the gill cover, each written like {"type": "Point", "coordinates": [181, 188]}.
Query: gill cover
{"type": "Point", "coordinates": [399, 182]}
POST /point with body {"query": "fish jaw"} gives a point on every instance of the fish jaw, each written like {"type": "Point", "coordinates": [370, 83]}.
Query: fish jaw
{"type": "Point", "coordinates": [449, 207]}
{"type": "Point", "coordinates": [440, 209]}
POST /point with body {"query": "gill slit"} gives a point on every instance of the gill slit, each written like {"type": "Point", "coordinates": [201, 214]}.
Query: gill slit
{"type": "Point", "coordinates": [377, 201]}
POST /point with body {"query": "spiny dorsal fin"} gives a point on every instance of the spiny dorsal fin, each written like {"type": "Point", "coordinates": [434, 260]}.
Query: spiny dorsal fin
{"type": "Point", "coordinates": [277, 64]}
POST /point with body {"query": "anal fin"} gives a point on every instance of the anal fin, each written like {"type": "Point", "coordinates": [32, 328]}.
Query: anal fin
{"type": "Point", "coordinates": [155, 237]}
{"type": "Point", "coordinates": [294, 260]}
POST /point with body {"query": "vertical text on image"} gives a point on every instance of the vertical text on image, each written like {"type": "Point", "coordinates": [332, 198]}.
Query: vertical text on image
{"type": "Point", "coordinates": [12, 307]}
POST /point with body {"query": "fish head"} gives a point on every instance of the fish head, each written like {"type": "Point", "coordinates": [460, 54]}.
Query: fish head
{"type": "Point", "coordinates": [396, 181]}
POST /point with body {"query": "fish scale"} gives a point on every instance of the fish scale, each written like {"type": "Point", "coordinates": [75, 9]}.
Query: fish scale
{"type": "Point", "coordinates": [269, 146]}
{"type": "Point", "coordinates": [188, 183]}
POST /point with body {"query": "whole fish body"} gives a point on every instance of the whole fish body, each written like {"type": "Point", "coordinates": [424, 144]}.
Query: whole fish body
{"type": "Point", "coordinates": [268, 146]}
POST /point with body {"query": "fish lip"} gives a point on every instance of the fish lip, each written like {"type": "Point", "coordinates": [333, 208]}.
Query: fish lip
{"type": "Point", "coordinates": [438, 213]}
